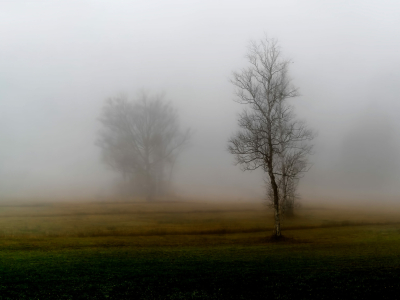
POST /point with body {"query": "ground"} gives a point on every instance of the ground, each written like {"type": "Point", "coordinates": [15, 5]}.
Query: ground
{"type": "Point", "coordinates": [196, 250]}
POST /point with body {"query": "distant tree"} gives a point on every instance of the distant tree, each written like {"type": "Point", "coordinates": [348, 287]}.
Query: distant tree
{"type": "Point", "coordinates": [141, 140]}
{"type": "Point", "coordinates": [270, 138]}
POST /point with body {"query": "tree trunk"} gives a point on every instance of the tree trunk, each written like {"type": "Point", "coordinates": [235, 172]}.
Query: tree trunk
{"type": "Point", "coordinates": [149, 188]}
{"type": "Point", "coordinates": [277, 227]}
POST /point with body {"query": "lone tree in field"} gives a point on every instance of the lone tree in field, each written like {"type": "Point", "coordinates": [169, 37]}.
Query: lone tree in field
{"type": "Point", "coordinates": [270, 137]}
{"type": "Point", "coordinates": [141, 140]}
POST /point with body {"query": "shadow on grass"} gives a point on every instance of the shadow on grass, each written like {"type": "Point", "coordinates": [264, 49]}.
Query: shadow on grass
{"type": "Point", "coordinates": [282, 239]}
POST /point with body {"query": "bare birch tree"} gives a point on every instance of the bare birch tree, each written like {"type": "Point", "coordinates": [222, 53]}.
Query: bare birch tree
{"type": "Point", "coordinates": [270, 138]}
{"type": "Point", "coordinates": [141, 140]}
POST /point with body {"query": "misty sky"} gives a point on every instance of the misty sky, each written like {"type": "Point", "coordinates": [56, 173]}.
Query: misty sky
{"type": "Point", "coordinates": [59, 61]}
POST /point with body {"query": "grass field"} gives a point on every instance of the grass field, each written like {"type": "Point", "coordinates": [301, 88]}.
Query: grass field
{"type": "Point", "coordinates": [195, 250]}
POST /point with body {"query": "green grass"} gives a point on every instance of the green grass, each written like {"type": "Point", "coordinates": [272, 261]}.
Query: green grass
{"type": "Point", "coordinates": [195, 251]}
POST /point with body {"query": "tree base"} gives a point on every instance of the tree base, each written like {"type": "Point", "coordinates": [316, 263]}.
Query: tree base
{"type": "Point", "coordinates": [274, 238]}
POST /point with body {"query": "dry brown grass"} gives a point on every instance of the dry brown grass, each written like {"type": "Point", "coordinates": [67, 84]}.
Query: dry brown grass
{"type": "Point", "coordinates": [100, 219]}
{"type": "Point", "coordinates": [129, 219]}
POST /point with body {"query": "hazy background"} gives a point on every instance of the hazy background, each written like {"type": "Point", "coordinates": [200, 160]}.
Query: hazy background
{"type": "Point", "coordinates": [59, 61]}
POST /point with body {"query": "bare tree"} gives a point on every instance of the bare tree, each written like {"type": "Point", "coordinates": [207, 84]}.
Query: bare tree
{"type": "Point", "coordinates": [270, 137]}
{"type": "Point", "coordinates": [141, 140]}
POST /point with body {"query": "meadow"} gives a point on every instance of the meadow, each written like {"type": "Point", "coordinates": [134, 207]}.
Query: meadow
{"type": "Point", "coordinates": [196, 250]}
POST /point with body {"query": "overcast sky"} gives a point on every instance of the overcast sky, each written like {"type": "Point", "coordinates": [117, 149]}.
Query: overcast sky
{"type": "Point", "coordinates": [59, 61]}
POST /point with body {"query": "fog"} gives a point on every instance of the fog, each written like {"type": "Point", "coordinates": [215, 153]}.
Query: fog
{"type": "Point", "coordinates": [59, 61]}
